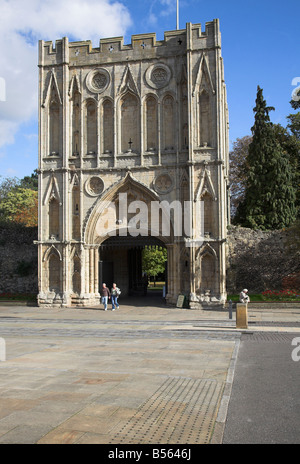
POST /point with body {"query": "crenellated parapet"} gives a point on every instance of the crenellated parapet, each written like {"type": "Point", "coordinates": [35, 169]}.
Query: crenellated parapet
{"type": "Point", "coordinates": [142, 47]}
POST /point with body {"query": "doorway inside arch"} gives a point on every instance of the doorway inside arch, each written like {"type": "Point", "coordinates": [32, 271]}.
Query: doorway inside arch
{"type": "Point", "coordinates": [134, 264]}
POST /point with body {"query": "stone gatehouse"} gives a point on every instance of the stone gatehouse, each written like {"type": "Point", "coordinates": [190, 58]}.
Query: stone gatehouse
{"type": "Point", "coordinates": [146, 123]}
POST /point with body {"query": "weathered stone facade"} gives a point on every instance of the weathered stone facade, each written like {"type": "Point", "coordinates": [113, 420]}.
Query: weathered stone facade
{"type": "Point", "coordinates": [148, 120]}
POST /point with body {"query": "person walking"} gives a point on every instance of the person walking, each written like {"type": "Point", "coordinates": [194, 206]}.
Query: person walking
{"type": "Point", "coordinates": [115, 293]}
{"type": "Point", "coordinates": [105, 295]}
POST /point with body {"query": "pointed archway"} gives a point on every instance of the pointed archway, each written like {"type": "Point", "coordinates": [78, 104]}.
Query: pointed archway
{"type": "Point", "coordinates": [116, 233]}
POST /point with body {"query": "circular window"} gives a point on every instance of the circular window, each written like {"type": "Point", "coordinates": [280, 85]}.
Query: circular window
{"type": "Point", "coordinates": [98, 80]}
{"type": "Point", "coordinates": [158, 76]}
{"type": "Point", "coordinates": [163, 183]}
{"type": "Point", "coordinates": [94, 186]}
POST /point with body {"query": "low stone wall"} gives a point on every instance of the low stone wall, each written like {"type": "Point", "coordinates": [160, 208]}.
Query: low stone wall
{"type": "Point", "coordinates": [257, 260]}
{"type": "Point", "coordinates": [18, 260]}
{"type": "Point", "coordinates": [261, 260]}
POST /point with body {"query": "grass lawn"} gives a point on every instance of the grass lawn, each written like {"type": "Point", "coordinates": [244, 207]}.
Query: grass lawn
{"type": "Point", "coordinates": [235, 298]}
{"type": "Point", "coordinates": [159, 287]}
{"type": "Point", "coordinates": [260, 298]}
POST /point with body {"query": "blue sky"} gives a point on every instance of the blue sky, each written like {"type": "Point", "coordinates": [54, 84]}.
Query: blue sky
{"type": "Point", "coordinates": [260, 46]}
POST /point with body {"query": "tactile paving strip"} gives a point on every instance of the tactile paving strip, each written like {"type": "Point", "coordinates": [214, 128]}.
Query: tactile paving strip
{"type": "Point", "coordinates": [279, 337]}
{"type": "Point", "coordinates": [181, 411]}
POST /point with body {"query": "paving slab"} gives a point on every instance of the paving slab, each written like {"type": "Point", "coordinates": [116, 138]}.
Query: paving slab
{"type": "Point", "coordinates": [143, 374]}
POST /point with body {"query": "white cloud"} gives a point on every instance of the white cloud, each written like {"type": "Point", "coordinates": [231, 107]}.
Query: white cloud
{"type": "Point", "coordinates": [169, 7]}
{"type": "Point", "coordinates": [22, 24]}
{"type": "Point", "coordinates": [152, 19]}
{"type": "Point", "coordinates": [7, 131]}
{"type": "Point", "coordinates": [161, 8]}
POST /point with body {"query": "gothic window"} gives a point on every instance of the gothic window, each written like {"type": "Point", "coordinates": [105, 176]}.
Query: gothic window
{"type": "Point", "coordinates": [91, 127]}
{"type": "Point", "coordinates": [184, 272]}
{"type": "Point", "coordinates": [54, 128]}
{"type": "Point", "coordinates": [54, 273]}
{"type": "Point", "coordinates": [108, 126]}
{"type": "Point", "coordinates": [76, 124]}
{"type": "Point", "coordinates": [208, 214]}
{"type": "Point", "coordinates": [151, 124]}
{"type": "Point", "coordinates": [184, 197]}
{"type": "Point", "coordinates": [130, 134]}
{"type": "Point", "coordinates": [76, 278]}
{"type": "Point", "coordinates": [54, 219]}
{"type": "Point", "coordinates": [207, 272]}
{"type": "Point", "coordinates": [184, 124]}
{"type": "Point", "coordinates": [75, 213]}
{"type": "Point", "coordinates": [205, 119]}
{"type": "Point", "coordinates": [168, 120]}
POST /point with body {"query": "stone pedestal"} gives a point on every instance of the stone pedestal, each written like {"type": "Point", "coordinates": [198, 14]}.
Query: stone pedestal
{"type": "Point", "coordinates": [242, 316]}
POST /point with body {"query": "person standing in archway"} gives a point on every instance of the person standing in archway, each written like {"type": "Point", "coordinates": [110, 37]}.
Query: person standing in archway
{"type": "Point", "coordinates": [105, 295]}
{"type": "Point", "coordinates": [115, 293]}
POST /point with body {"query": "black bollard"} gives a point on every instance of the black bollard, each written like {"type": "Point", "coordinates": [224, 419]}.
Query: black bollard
{"type": "Point", "coordinates": [230, 309]}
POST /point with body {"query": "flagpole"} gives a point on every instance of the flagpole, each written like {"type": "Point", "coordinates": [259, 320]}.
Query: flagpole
{"type": "Point", "coordinates": [177, 21]}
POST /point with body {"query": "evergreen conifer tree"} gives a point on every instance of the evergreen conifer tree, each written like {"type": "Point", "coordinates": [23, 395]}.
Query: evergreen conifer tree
{"type": "Point", "coordinates": [269, 201]}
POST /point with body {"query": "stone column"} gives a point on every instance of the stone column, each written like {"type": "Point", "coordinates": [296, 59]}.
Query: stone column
{"type": "Point", "coordinates": [142, 116]}
{"type": "Point", "coordinates": [115, 124]}
{"type": "Point", "coordinates": [86, 269]}
{"type": "Point", "coordinates": [170, 251]}
{"type": "Point", "coordinates": [159, 130]}
{"type": "Point", "coordinates": [96, 271]}
{"type": "Point", "coordinates": [91, 270]}
{"type": "Point", "coordinates": [65, 272]}
{"type": "Point", "coordinates": [99, 132]}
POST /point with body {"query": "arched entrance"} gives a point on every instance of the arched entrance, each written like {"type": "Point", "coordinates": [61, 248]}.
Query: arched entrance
{"type": "Point", "coordinates": [121, 261]}
{"type": "Point", "coordinates": [115, 237]}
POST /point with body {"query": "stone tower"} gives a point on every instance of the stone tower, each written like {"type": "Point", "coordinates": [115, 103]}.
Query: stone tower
{"type": "Point", "coordinates": [122, 125]}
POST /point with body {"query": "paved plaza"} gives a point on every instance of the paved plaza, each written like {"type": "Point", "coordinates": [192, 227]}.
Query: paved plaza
{"type": "Point", "coordinates": [143, 374]}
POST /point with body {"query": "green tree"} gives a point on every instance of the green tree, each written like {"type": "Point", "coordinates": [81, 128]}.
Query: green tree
{"type": "Point", "coordinates": [153, 260]}
{"type": "Point", "coordinates": [6, 185]}
{"type": "Point", "coordinates": [270, 197]}
{"type": "Point", "coordinates": [238, 171]}
{"type": "Point", "coordinates": [30, 182]}
{"type": "Point", "coordinates": [19, 200]}
{"type": "Point", "coordinates": [294, 119]}
{"type": "Point", "coordinates": [294, 127]}
{"type": "Point", "coordinates": [290, 145]}
{"type": "Point", "coordinates": [294, 124]}
{"type": "Point", "coordinates": [20, 206]}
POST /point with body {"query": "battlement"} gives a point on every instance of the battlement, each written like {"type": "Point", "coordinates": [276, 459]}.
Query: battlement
{"type": "Point", "coordinates": [142, 46]}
